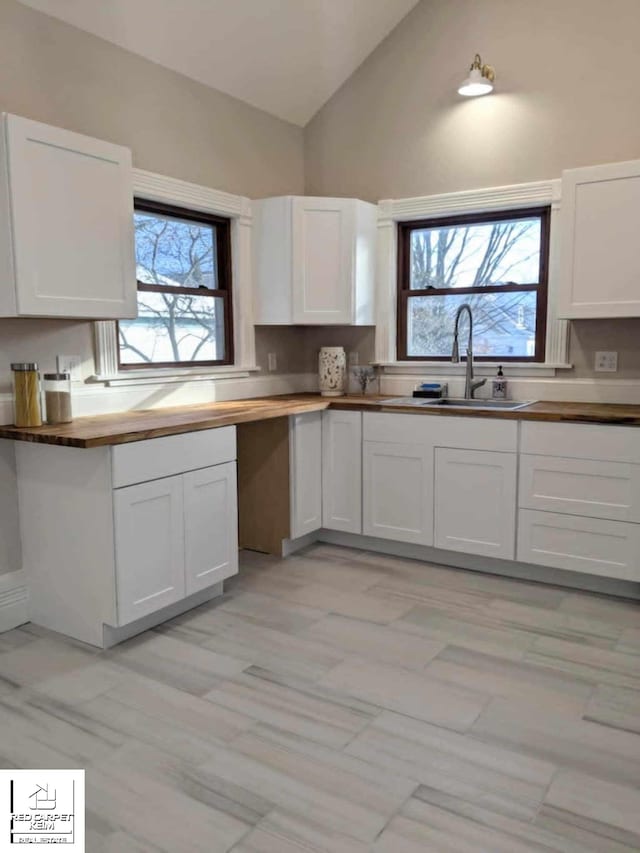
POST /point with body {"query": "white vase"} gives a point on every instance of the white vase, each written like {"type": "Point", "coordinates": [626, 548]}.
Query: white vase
{"type": "Point", "coordinates": [332, 370]}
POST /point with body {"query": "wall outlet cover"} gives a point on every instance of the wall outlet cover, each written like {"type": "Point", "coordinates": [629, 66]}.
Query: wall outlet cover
{"type": "Point", "coordinates": [606, 362]}
{"type": "Point", "coordinates": [70, 364]}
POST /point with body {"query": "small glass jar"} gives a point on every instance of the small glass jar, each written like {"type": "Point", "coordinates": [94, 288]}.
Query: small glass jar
{"type": "Point", "coordinates": [27, 403]}
{"type": "Point", "coordinates": [57, 397]}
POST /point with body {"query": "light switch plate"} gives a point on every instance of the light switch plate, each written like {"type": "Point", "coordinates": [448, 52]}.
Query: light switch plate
{"type": "Point", "coordinates": [606, 362]}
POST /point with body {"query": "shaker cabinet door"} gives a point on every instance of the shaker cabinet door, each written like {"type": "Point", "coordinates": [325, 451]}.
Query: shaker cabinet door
{"type": "Point", "coordinates": [149, 540]}
{"type": "Point", "coordinates": [600, 252]}
{"type": "Point", "coordinates": [475, 502]}
{"type": "Point", "coordinates": [398, 491]}
{"type": "Point", "coordinates": [71, 202]}
{"type": "Point", "coordinates": [342, 471]}
{"type": "Point", "coordinates": [210, 526]}
{"type": "Point", "coordinates": [305, 472]}
{"type": "Point", "coordinates": [323, 260]}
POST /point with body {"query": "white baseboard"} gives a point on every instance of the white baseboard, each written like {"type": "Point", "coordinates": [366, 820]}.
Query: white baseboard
{"type": "Point", "coordinates": [14, 601]}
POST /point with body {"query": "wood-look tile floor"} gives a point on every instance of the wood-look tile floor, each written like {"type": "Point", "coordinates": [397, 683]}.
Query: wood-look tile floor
{"type": "Point", "coordinates": [343, 701]}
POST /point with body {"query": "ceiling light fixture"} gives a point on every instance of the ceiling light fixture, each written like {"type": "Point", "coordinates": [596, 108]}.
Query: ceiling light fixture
{"type": "Point", "coordinates": [479, 81]}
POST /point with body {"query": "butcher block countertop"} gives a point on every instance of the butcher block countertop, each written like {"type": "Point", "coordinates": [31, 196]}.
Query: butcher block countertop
{"type": "Point", "coordinates": [125, 427]}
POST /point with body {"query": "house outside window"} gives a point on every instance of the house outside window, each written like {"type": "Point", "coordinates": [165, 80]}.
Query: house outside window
{"type": "Point", "coordinates": [183, 265]}
{"type": "Point", "coordinates": [496, 262]}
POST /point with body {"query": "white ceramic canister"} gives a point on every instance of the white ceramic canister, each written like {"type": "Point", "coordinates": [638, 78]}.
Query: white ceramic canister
{"type": "Point", "coordinates": [332, 370]}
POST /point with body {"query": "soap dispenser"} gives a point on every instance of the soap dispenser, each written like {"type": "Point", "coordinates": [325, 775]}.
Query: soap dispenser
{"type": "Point", "coordinates": [499, 385]}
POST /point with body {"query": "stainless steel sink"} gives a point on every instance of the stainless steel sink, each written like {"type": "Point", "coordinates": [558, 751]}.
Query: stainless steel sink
{"type": "Point", "coordinates": [458, 403]}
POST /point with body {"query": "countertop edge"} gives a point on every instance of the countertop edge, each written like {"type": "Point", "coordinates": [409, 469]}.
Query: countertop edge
{"type": "Point", "coordinates": [267, 408]}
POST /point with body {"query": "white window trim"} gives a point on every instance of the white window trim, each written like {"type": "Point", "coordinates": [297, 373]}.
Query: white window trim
{"type": "Point", "coordinates": [497, 199]}
{"type": "Point", "coordinates": [154, 187]}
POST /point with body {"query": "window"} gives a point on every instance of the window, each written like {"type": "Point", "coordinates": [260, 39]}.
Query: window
{"type": "Point", "coordinates": [495, 262]}
{"type": "Point", "coordinates": [183, 261]}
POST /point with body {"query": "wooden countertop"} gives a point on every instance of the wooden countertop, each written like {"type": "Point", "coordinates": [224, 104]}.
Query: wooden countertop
{"type": "Point", "coordinates": [125, 427]}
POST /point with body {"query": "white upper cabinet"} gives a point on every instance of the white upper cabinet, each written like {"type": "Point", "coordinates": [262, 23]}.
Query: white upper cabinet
{"type": "Point", "coordinates": [66, 208]}
{"type": "Point", "coordinates": [600, 249]}
{"type": "Point", "coordinates": [314, 261]}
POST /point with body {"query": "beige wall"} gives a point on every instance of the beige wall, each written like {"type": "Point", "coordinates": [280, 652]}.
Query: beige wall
{"type": "Point", "coordinates": [58, 74]}
{"type": "Point", "coordinates": [565, 95]}
{"type": "Point", "coordinates": [566, 86]}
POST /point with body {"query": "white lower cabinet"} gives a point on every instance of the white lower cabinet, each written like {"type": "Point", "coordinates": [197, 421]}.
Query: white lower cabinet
{"type": "Point", "coordinates": [173, 537]}
{"type": "Point", "coordinates": [475, 502]}
{"type": "Point", "coordinates": [305, 473]}
{"type": "Point", "coordinates": [210, 526]}
{"type": "Point", "coordinates": [342, 471]}
{"type": "Point", "coordinates": [579, 498]}
{"type": "Point", "coordinates": [149, 540]}
{"type": "Point", "coordinates": [126, 531]}
{"type": "Point", "coordinates": [398, 491]}
{"type": "Point", "coordinates": [591, 545]}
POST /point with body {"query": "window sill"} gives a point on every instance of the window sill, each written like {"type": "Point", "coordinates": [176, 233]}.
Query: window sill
{"type": "Point", "coordinates": [480, 368]}
{"type": "Point", "coordinates": [163, 376]}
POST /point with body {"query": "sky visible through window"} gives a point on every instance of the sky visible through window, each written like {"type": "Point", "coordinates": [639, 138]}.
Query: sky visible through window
{"type": "Point", "coordinates": [172, 325]}
{"type": "Point", "coordinates": [478, 255]}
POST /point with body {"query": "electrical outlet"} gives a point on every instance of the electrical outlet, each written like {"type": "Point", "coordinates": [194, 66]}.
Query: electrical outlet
{"type": "Point", "coordinates": [606, 362]}
{"type": "Point", "coordinates": [272, 361]}
{"type": "Point", "coordinates": [70, 364]}
{"type": "Point", "coordinates": [354, 358]}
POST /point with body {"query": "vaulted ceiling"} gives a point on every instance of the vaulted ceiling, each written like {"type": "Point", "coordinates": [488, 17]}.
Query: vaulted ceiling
{"type": "Point", "coordinates": [284, 56]}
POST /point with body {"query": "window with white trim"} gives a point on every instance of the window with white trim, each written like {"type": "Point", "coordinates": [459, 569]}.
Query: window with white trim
{"type": "Point", "coordinates": [183, 263]}
{"type": "Point", "coordinates": [496, 262]}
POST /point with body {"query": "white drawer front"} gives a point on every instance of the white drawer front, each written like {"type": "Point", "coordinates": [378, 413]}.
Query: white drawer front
{"type": "Point", "coordinates": [581, 441]}
{"type": "Point", "coordinates": [593, 546]}
{"type": "Point", "coordinates": [141, 461]}
{"type": "Point", "coordinates": [580, 487]}
{"type": "Point", "coordinates": [472, 433]}
{"type": "Point", "coordinates": [399, 429]}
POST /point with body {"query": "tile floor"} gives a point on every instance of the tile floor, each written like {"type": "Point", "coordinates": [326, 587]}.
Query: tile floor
{"type": "Point", "coordinates": [344, 701]}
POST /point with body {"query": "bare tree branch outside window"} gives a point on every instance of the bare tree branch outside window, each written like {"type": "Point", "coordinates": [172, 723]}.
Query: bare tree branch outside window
{"type": "Point", "coordinates": [497, 263]}
{"type": "Point", "coordinates": [184, 296]}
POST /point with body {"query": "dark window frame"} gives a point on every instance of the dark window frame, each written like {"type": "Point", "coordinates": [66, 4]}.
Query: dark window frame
{"type": "Point", "coordinates": [224, 290]}
{"type": "Point", "coordinates": [541, 288]}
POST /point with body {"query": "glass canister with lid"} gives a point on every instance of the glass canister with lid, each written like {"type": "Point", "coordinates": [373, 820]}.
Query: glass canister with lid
{"type": "Point", "coordinates": [57, 398]}
{"type": "Point", "coordinates": [27, 402]}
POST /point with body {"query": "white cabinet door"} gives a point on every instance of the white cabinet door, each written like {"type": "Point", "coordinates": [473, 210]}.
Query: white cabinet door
{"type": "Point", "coordinates": [475, 502]}
{"type": "Point", "coordinates": [398, 491]}
{"type": "Point", "coordinates": [305, 472]}
{"type": "Point", "coordinates": [149, 544]}
{"type": "Point", "coordinates": [590, 545]}
{"type": "Point", "coordinates": [323, 260]}
{"type": "Point", "coordinates": [342, 471]}
{"type": "Point", "coordinates": [210, 526]}
{"type": "Point", "coordinates": [71, 202]}
{"type": "Point", "coordinates": [600, 273]}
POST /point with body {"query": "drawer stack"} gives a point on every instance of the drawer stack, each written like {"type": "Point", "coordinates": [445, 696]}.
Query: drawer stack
{"type": "Point", "coordinates": [579, 498]}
